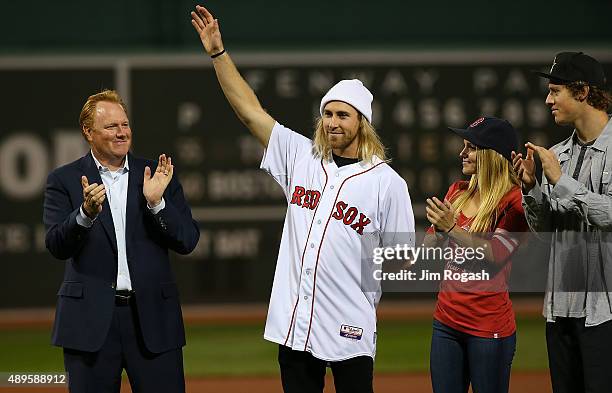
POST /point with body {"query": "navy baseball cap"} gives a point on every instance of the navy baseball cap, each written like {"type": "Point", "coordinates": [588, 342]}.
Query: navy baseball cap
{"type": "Point", "coordinates": [575, 67]}
{"type": "Point", "coordinates": [491, 133]}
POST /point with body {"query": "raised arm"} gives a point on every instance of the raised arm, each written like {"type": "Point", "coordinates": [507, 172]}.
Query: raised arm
{"type": "Point", "coordinates": [238, 93]}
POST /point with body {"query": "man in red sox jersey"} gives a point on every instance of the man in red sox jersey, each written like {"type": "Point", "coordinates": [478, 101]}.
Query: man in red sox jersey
{"type": "Point", "coordinates": [339, 189]}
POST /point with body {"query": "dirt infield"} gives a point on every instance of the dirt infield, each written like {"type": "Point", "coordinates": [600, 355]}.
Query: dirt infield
{"type": "Point", "coordinates": [521, 382]}
{"type": "Point", "coordinates": [256, 313]}
{"type": "Point", "coordinates": [387, 383]}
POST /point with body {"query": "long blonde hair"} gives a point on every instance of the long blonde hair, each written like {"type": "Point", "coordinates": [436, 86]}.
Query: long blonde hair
{"type": "Point", "coordinates": [369, 146]}
{"type": "Point", "coordinates": [493, 179]}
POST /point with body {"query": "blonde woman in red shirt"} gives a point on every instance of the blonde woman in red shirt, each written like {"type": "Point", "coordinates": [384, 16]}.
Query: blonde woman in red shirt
{"type": "Point", "coordinates": [474, 338]}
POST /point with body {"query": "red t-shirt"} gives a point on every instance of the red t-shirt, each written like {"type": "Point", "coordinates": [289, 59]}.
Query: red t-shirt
{"type": "Point", "coordinates": [483, 308]}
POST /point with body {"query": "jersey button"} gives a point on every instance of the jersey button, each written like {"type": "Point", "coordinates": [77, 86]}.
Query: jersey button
{"type": "Point", "coordinates": [305, 297]}
{"type": "Point", "coordinates": [318, 221]}
{"type": "Point", "coordinates": [308, 271]}
{"type": "Point", "coordinates": [331, 187]}
{"type": "Point", "coordinates": [337, 175]}
{"type": "Point", "coordinates": [311, 245]}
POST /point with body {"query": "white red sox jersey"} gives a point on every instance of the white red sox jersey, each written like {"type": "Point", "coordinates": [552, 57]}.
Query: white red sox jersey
{"type": "Point", "coordinates": [317, 303]}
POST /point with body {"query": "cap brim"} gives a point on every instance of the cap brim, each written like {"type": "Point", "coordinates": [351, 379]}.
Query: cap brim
{"type": "Point", "coordinates": [550, 77]}
{"type": "Point", "coordinates": [470, 137]}
{"type": "Point", "coordinates": [542, 74]}
{"type": "Point", "coordinates": [465, 134]}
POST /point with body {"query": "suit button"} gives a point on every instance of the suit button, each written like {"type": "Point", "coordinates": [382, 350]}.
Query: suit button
{"type": "Point", "coordinates": [113, 285]}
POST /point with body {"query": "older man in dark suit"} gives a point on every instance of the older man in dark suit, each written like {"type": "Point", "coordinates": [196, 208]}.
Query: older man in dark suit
{"type": "Point", "coordinates": [113, 219]}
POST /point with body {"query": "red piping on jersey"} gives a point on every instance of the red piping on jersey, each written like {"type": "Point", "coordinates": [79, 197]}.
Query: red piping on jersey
{"type": "Point", "coordinates": [304, 253]}
{"type": "Point", "coordinates": [314, 284]}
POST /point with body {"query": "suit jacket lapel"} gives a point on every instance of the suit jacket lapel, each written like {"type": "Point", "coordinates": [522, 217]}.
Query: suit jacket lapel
{"type": "Point", "coordinates": [133, 198]}
{"type": "Point", "coordinates": [105, 216]}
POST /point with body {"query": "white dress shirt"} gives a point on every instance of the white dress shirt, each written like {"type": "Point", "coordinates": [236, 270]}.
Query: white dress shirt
{"type": "Point", "coordinates": [116, 185]}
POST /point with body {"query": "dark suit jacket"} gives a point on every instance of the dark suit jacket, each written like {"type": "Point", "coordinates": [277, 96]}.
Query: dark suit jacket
{"type": "Point", "coordinates": [86, 297]}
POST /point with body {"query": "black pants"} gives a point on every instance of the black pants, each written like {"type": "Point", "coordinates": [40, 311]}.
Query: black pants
{"type": "Point", "coordinates": [303, 373]}
{"type": "Point", "coordinates": [579, 357]}
{"type": "Point", "coordinates": [100, 372]}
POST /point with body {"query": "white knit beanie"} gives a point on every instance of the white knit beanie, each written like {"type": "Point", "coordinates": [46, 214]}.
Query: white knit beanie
{"type": "Point", "coordinates": [354, 93]}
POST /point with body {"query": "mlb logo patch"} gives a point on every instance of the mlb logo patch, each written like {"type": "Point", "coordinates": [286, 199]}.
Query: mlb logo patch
{"type": "Point", "coordinates": [351, 332]}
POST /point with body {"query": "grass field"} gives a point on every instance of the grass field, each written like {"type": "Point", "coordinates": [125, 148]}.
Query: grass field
{"type": "Point", "coordinates": [241, 350]}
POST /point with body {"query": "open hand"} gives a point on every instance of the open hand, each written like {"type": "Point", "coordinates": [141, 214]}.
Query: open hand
{"type": "Point", "coordinates": [153, 187]}
{"type": "Point", "coordinates": [525, 168]}
{"type": "Point", "coordinates": [208, 30]}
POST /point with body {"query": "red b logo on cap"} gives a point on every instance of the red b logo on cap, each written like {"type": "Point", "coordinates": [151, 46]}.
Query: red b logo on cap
{"type": "Point", "coordinates": [477, 122]}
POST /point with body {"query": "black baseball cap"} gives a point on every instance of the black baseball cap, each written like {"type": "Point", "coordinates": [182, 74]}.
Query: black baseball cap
{"type": "Point", "coordinates": [574, 67]}
{"type": "Point", "coordinates": [491, 133]}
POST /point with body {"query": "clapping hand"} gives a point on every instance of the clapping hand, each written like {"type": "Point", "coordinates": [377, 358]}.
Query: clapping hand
{"type": "Point", "coordinates": [524, 168]}
{"type": "Point", "coordinates": [550, 162]}
{"type": "Point", "coordinates": [440, 214]}
{"type": "Point", "coordinates": [154, 186]}
{"type": "Point", "coordinates": [93, 197]}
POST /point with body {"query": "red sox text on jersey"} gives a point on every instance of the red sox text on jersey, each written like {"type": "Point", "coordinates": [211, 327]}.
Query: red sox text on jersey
{"type": "Point", "coordinates": [309, 199]}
